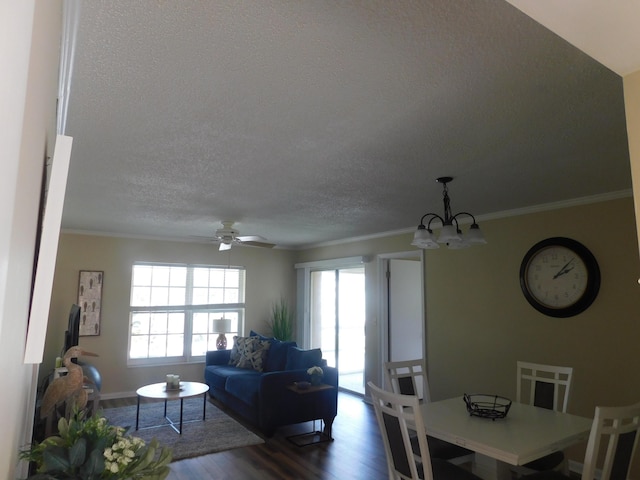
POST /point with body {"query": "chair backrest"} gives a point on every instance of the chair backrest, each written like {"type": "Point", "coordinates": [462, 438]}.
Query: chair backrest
{"type": "Point", "coordinates": [408, 377]}
{"type": "Point", "coordinates": [400, 419]}
{"type": "Point", "coordinates": [544, 386]}
{"type": "Point", "coordinates": [617, 428]}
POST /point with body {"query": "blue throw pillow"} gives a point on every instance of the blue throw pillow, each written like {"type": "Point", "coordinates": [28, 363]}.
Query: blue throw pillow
{"type": "Point", "coordinates": [298, 359]}
{"type": "Point", "coordinates": [262, 337]}
{"type": "Point", "coordinates": [277, 356]}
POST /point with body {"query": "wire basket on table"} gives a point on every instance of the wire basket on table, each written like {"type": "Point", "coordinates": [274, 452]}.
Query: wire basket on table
{"type": "Point", "coordinates": [487, 406]}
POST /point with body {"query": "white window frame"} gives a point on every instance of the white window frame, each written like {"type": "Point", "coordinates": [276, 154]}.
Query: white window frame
{"type": "Point", "coordinates": [188, 309]}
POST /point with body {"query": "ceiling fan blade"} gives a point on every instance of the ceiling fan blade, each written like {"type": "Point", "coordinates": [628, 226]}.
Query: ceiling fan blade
{"type": "Point", "coordinates": [259, 244]}
{"type": "Point", "coordinates": [224, 246]}
{"type": "Point", "coordinates": [255, 241]}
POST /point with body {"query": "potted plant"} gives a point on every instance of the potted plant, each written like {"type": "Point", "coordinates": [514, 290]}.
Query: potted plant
{"type": "Point", "coordinates": [91, 449]}
{"type": "Point", "coordinates": [281, 322]}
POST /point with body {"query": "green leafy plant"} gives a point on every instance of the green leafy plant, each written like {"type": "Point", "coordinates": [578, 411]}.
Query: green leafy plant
{"type": "Point", "coordinates": [281, 322]}
{"type": "Point", "coordinates": [91, 449]}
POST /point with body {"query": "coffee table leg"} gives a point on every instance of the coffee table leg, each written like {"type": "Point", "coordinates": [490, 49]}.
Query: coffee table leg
{"type": "Point", "coordinates": [181, 404]}
{"type": "Point", "coordinates": [138, 412]}
{"type": "Point", "coordinates": [204, 406]}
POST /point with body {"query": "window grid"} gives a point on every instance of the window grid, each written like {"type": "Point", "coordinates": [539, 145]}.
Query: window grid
{"type": "Point", "coordinates": [173, 308]}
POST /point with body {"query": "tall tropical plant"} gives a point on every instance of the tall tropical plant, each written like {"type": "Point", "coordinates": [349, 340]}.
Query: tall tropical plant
{"type": "Point", "coordinates": [281, 322]}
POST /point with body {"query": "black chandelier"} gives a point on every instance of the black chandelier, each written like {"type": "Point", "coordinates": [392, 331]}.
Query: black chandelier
{"type": "Point", "coordinates": [450, 233]}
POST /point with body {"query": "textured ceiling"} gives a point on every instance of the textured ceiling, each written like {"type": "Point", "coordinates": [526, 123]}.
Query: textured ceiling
{"type": "Point", "coordinates": [312, 121]}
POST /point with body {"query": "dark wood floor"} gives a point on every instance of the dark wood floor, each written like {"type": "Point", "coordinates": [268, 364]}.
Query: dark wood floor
{"type": "Point", "coordinates": [356, 452]}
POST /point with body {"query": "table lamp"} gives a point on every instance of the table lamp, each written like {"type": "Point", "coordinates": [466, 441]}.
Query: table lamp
{"type": "Point", "coordinates": [222, 326]}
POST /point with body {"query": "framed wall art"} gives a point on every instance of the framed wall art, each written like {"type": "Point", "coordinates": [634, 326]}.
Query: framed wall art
{"type": "Point", "coordinates": [90, 301]}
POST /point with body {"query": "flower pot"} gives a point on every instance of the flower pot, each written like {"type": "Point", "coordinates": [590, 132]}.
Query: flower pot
{"type": "Point", "coordinates": [316, 379]}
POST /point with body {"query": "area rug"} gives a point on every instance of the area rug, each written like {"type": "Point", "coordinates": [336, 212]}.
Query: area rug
{"type": "Point", "coordinates": [217, 433]}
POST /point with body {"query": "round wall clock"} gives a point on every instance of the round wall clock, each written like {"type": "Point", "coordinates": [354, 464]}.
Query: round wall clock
{"type": "Point", "coordinates": [559, 277]}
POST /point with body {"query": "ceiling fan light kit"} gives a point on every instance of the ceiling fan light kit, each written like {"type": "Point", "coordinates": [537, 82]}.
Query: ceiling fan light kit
{"type": "Point", "coordinates": [450, 233]}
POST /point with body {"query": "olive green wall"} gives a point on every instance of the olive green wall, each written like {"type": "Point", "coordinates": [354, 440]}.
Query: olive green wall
{"type": "Point", "coordinates": [479, 324]}
{"type": "Point", "coordinates": [270, 275]}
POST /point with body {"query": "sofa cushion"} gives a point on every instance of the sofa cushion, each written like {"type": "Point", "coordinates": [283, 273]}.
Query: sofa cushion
{"type": "Point", "coordinates": [216, 375]}
{"type": "Point", "coordinates": [245, 386]}
{"type": "Point", "coordinates": [253, 353]}
{"type": "Point", "coordinates": [277, 357]}
{"type": "Point", "coordinates": [298, 358]}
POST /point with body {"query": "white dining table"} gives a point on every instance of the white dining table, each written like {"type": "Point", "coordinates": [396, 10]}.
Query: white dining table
{"type": "Point", "coordinates": [525, 434]}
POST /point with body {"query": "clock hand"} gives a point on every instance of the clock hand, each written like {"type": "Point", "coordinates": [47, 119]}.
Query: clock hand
{"type": "Point", "coordinates": [564, 270]}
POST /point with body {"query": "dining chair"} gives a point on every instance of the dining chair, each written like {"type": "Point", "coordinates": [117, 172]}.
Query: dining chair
{"type": "Point", "coordinates": [545, 386]}
{"type": "Point", "coordinates": [615, 428]}
{"type": "Point", "coordinates": [409, 377]}
{"type": "Point", "coordinates": [405, 440]}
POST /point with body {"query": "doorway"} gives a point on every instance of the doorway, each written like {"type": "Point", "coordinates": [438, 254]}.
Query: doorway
{"type": "Point", "coordinates": [402, 329]}
{"type": "Point", "coordinates": [337, 320]}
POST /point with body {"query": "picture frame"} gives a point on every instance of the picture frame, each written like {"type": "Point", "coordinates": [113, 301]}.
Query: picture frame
{"type": "Point", "coordinates": [90, 301]}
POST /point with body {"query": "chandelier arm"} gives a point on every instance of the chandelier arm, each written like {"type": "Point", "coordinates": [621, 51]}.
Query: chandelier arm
{"type": "Point", "coordinates": [464, 213]}
{"type": "Point", "coordinates": [433, 216]}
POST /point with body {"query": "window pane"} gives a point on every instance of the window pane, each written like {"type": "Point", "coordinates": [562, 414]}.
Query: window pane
{"type": "Point", "coordinates": [158, 323]}
{"type": "Point", "coordinates": [157, 345]}
{"type": "Point", "coordinates": [199, 345]}
{"type": "Point", "coordinates": [216, 296]}
{"type": "Point", "coordinates": [232, 278]}
{"type": "Point", "coordinates": [231, 295]}
{"type": "Point", "coordinates": [177, 296]}
{"type": "Point", "coordinates": [176, 322]}
{"type": "Point", "coordinates": [139, 347]}
{"type": "Point", "coordinates": [142, 275]}
{"type": "Point", "coordinates": [200, 296]}
{"type": "Point", "coordinates": [200, 277]}
{"type": "Point", "coordinates": [175, 345]}
{"type": "Point", "coordinates": [160, 276]}
{"type": "Point", "coordinates": [200, 322]}
{"type": "Point", "coordinates": [159, 296]}
{"type": "Point", "coordinates": [217, 277]}
{"type": "Point", "coordinates": [178, 277]}
{"type": "Point", "coordinates": [139, 323]}
{"type": "Point", "coordinates": [141, 296]}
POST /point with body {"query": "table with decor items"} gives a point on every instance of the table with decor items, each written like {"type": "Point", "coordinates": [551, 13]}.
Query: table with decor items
{"type": "Point", "coordinates": [525, 434]}
{"type": "Point", "coordinates": [160, 391]}
{"type": "Point", "coordinates": [311, 393]}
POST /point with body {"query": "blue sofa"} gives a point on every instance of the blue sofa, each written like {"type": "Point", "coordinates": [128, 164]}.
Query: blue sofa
{"type": "Point", "coordinates": [261, 395]}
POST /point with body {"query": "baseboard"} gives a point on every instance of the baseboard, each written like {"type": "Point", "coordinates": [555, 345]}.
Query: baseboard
{"type": "Point", "coordinates": [116, 395]}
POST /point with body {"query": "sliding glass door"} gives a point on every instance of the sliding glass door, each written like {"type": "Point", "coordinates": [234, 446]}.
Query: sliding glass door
{"type": "Point", "coordinates": [337, 314]}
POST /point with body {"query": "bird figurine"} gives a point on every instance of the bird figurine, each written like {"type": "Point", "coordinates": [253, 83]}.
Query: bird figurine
{"type": "Point", "coordinates": [69, 387]}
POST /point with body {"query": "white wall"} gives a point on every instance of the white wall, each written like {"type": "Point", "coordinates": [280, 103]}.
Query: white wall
{"type": "Point", "coordinates": [29, 38]}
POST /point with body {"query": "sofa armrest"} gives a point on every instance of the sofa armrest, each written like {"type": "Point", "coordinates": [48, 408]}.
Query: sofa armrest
{"type": "Point", "coordinates": [217, 357]}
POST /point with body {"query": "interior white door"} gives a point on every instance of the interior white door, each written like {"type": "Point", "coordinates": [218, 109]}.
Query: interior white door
{"type": "Point", "coordinates": [406, 330]}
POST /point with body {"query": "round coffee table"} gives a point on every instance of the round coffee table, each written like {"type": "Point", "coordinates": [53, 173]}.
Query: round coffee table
{"type": "Point", "coordinates": [159, 390]}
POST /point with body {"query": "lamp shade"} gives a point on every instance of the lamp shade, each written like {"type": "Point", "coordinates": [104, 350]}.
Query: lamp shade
{"type": "Point", "coordinates": [221, 325]}
{"type": "Point", "coordinates": [474, 236]}
{"type": "Point", "coordinates": [424, 238]}
{"type": "Point", "coordinates": [449, 234]}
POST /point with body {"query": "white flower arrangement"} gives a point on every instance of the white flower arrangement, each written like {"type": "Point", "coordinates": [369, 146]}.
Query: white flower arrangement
{"type": "Point", "coordinates": [122, 452]}
{"type": "Point", "coordinates": [315, 371]}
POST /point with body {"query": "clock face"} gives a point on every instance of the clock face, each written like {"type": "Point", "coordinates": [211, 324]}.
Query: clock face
{"type": "Point", "coordinates": [559, 277]}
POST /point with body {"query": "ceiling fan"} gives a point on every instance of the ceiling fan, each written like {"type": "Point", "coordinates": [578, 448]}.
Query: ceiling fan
{"type": "Point", "coordinates": [228, 236]}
